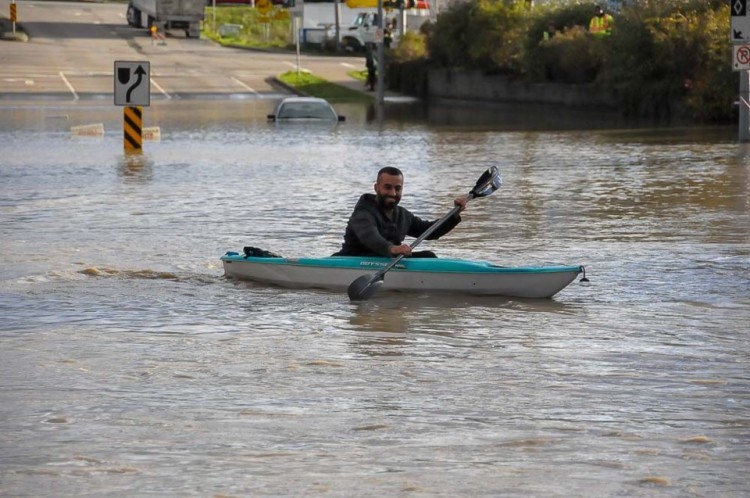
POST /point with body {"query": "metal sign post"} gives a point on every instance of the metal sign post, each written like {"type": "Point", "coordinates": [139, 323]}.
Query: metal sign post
{"type": "Point", "coordinates": [337, 25]}
{"type": "Point", "coordinates": [295, 22]}
{"type": "Point", "coordinates": [381, 55]}
{"type": "Point", "coordinates": [740, 36]}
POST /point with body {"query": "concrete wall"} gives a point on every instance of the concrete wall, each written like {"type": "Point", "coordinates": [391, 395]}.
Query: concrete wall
{"type": "Point", "coordinates": [475, 85]}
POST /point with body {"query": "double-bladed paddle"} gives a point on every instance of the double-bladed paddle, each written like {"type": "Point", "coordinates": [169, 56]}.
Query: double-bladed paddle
{"type": "Point", "coordinates": [364, 287]}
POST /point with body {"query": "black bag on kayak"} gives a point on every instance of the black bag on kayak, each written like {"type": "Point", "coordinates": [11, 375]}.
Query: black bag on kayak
{"type": "Point", "coordinates": [254, 252]}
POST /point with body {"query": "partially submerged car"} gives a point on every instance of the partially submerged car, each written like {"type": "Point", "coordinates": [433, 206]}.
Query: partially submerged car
{"type": "Point", "coordinates": [304, 109]}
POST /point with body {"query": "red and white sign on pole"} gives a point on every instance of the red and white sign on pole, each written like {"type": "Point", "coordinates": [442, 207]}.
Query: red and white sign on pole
{"type": "Point", "coordinates": [740, 35]}
{"type": "Point", "coordinates": [741, 57]}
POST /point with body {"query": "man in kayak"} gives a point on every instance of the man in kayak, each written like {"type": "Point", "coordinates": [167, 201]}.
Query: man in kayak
{"type": "Point", "coordinates": [378, 225]}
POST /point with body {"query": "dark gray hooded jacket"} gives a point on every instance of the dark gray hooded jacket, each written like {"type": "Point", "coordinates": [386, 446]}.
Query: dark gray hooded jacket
{"type": "Point", "coordinates": [371, 233]}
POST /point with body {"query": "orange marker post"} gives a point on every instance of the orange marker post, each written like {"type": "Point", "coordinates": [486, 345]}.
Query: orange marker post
{"type": "Point", "coordinates": [133, 129]}
{"type": "Point", "coordinates": [13, 15]}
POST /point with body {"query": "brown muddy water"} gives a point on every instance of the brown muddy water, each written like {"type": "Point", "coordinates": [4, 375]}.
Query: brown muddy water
{"type": "Point", "coordinates": [129, 366]}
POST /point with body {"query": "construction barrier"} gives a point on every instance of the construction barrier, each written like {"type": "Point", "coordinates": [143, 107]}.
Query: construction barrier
{"type": "Point", "coordinates": [152, 134]}
{"type": "Point", "coordinates": [89, 130]}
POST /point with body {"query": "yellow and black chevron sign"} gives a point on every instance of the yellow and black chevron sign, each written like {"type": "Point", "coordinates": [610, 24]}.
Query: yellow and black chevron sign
{"type": "Point", "coordinates": [133, 128]}
{"type": "Point", "coordinates": [13, 13]}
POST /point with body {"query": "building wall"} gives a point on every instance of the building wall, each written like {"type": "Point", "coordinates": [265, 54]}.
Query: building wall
{"type": "Point", "coordinates": [474, 85]}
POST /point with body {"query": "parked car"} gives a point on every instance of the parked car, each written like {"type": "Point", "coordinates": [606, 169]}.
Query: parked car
{"type": "Point", "coordinates": [304, 109]}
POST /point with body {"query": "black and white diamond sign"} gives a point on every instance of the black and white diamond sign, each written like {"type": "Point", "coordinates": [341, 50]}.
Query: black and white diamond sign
{"type": "Point", "coordinates": [740, 30]}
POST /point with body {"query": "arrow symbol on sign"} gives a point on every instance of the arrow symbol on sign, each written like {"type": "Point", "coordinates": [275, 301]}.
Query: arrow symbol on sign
{"type": "Point", "coordinates": [139, 72]}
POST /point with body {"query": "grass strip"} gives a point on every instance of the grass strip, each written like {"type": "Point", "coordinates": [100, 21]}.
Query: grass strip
{"type": "Point", "coordinates": [359, 75]}
{"type": "Point", "coordinates": [318, 87]}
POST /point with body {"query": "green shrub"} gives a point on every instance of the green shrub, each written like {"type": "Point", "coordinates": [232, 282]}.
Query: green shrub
{"type": "Point", "coordinates": [540, 59]}
{"type": "Point", "coordinates": [412, 46]}
{"type": "Point", "coordinates": [665, 55]}
{"type": "Point", "coordinates": [571, 56]}
{"type": "Point", "coordinates": [479, 34]}
{"type": "Point", "coordinates": [407, 65]}
{"type": "Point", "coordinates": [446, 41]}
{"type": "Point", "coordinates": [276, 33]}
{"type": "Point", "coordinates": [714, 85]}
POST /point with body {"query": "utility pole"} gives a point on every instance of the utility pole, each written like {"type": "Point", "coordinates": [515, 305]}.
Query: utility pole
{"type": "Point", "coordinates": [337, 30]}
{"type": "Point", "coordinates": [402, 20]}
{"type": "Point", "coordinates": [381, 55]}
{"type": "Point", "coordinates": [744, 125]}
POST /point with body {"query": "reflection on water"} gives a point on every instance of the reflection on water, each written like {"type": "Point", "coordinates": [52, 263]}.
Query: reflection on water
{"type": "Point", "coordinates": [391, 320]}
{"type": "Point", "coordinates": [136, 167]}
{"type": "Point", "coordinates": [123, 349]}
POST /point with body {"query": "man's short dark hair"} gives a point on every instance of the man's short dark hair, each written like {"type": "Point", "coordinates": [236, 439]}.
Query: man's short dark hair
{"type": "Point", "coordinates": [390, 170]}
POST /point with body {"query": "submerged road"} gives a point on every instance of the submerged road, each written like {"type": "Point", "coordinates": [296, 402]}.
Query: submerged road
{"type": "Point", "coordinates": [73, 48]}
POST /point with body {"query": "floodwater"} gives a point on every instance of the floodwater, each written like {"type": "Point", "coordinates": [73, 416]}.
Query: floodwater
{"type": "Point", "coordinates": [129, 366]}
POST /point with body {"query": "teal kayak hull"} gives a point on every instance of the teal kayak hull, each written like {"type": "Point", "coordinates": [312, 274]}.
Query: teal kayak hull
{"type": "Point", "coordinates": [409, 275]}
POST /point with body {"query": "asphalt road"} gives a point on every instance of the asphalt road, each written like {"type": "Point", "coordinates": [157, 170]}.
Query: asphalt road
{"type": "Point", "coordinates": [73, 47]}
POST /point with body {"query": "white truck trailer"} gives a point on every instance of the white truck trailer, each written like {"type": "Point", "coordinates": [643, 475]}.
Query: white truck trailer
{"type": "Point", "coordinates": [183, 15]}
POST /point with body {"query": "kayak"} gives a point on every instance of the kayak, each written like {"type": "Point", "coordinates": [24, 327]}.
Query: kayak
{"type": "Point", "coordinates": [409, 275]}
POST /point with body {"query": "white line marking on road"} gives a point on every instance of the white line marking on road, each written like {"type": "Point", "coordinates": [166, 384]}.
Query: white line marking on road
{"type": "Point", "coordinates": [251, 90]}
{"type": "Point", "coordinates": [346, 64]}
{"type": "Point", "coordinates": [16, 80]}
{"type": "Point", "coordinates": [70, 87]}
{"type": "Point", "coordinates": [158, 87]}
{"type": "Point", "coordinates": [293, 65]}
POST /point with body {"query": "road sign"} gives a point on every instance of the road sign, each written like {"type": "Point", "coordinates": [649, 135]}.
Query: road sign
{"type": "Point", "coordinates": [741, 57]}
{"type": "Point", "coordinates": [263, 6]}
{"type": "Point", "coordinates": [297, 9]}
{"type": "Point", "coordinates": [740, 30]}
{"type": "Point", "coordinates": [132, 83]}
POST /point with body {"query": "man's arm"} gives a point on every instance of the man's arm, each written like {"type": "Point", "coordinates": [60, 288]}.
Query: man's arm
{"type": "Point", "coordinates": [418, 226]}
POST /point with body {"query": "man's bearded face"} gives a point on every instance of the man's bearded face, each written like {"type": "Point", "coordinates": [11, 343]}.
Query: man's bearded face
{"type": "Point", "coordinates": [388, 189]}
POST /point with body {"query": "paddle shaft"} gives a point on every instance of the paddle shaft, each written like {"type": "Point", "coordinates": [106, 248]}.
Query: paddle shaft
{"type": "Point", "coordinates": [419, 239]}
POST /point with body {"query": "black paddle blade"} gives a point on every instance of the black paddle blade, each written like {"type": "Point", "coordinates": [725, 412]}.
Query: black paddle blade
{"type": "Point", "coordinates": [487, 183]}
{"type": "Point", "coordinates": [363, 288]}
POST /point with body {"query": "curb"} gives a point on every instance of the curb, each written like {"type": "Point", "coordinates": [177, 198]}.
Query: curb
{"type": "Point", "coordinates": [277, 82]}
{"type": "Point", "coordinates": [6, 31]}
